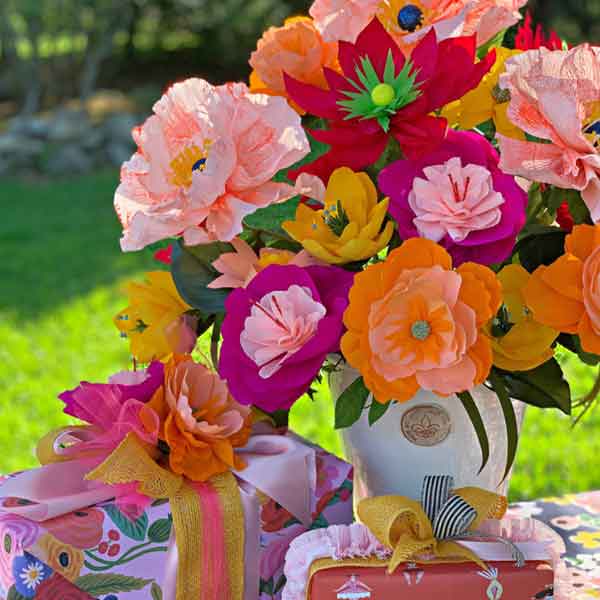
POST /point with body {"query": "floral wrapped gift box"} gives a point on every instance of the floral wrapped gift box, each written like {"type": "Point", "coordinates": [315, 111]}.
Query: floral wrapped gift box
{"type": "Point", "coordinates": [100, 518]}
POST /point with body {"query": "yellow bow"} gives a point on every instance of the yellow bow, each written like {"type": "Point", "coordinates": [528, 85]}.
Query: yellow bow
{"type": "Point", "coordinates": [134, 462]}
{"type": "Point", "coordinates": [402, 525]}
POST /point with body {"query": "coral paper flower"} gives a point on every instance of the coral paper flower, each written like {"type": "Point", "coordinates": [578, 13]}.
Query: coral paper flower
{"type": "Point", "coordinates": [155, 321]}
{"type": "Point", "coordinates": [566, 294]}
{"type": "Point", "coordinates": [205, 160]}
{"type": "Point", "coordinates": [199, 420]}
{"type": "Point", "coordinates": [457, 196]}
{"type": "Point", "coordinates": [519, 342]}
{"type": "Point", "coordinates": [298, 49]}
{"type": "Point", "coordinates": [382, 93]}
{"type": "Point", "coordinates": [239, 268]}
{"type": "Point", "coordinates": [555, 96]}
{"type": "Point", "coordinates": [350, 227]}
{"type": "Point", "coordinates": [413, 322]}
{"type": "Point", "coordinates": [278, 331]}
{"type": "Point", "coordinates": [342, 20]}
{"type": "Point", "coordinates": [487, 101]}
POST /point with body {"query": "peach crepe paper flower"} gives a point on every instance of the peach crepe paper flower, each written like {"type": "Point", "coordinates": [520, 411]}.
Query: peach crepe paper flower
{"type": "Point", "coordinates": [297, 49]}
{"type": "Point", "coordinates": [566, 294]}
{"type": "Point", "coordinates": [342, 20]}
{"type": "Point", "coordinates": [414, 322]}
{"type": "Point", "coordinates": [205, 160]}
{"type": "Point", "coordinates": [239, 268]}
{"type": "Point", "coordinates": [555, 96]}
{"type": "Point", "coordinates": [199, 420]}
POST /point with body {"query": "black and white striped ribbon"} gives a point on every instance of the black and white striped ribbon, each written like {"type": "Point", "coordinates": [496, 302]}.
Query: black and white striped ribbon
{"type": "Point", "coordinates": [435, 493]}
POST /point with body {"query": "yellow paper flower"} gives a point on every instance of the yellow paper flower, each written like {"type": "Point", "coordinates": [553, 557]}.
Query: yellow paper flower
{"type": "Point", "coordinates": [487, 101]}
{"type": "Point", "coordinates": [348, 229]}
{"type": "Point", "coordinates": [153, 321]}
{"type": "Point", "coordinates": [519, 342]}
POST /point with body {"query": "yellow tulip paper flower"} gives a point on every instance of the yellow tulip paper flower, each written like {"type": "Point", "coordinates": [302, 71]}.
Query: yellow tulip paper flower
{"type": "Point", "coordinates": [154, 322]}
{"type": "Point", "coordinates": [519, 343]}
{"type": "Point", "coordinates": [487, 101]}
{"type": "Point", "coordinates": [349, 227]}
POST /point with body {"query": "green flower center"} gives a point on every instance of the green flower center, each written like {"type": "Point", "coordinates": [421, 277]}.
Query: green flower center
{"type": "Point", "coordinates": [420, 330]}
{"type": "Point", "coordinates": [383, 94]}
{"type": "Point", "coordinates": [500, 96]}
{"type": "Point", "coordinates": [336, 219]}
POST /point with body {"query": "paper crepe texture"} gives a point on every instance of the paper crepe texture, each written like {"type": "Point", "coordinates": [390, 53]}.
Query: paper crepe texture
{"type": "Point", "coordinates": [99, 552]}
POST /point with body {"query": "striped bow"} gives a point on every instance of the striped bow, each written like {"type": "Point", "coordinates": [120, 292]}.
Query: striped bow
{"type": "Point", "coordinates": [427, 531]}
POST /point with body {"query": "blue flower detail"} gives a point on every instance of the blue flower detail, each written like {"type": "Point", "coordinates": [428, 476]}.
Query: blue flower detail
{"type": "Point", "coordinates": [29, 572]}
{"type": "Point", "coordinates": [410, 17]}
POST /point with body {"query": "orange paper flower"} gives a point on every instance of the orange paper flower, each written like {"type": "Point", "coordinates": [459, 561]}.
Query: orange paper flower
{"type": "Point", "coordinates": [414, 322]}
{"type": "Point", "coordinates": [200, 421]}
{"type": "Point", "coordinates": [566, 294]}
{"type": "Point", "coordinates": [297, 49]}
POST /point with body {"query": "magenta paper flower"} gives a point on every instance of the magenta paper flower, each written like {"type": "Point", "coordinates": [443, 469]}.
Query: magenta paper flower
{"type": "Point", "coordinates": [457, 196]}
{"type": "Point", "coordinates": [278, 331]}
{"type": "Point", "coordinates": [381, 94]}
{"type": "Point", "coordinates": [555, 96]}
{"type": "Point", "coordinates": [205, 160]}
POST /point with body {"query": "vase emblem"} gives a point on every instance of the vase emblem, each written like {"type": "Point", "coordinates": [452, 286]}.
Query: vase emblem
{"type": "Point", "coordinates": [426, 425]}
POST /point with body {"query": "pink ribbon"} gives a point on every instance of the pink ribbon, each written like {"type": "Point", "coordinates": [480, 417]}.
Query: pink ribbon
{"type": "Point", "coordinates": [281, 466]}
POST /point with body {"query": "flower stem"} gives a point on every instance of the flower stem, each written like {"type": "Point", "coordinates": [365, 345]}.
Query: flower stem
{"type": "Point", "coordinates": [214, 341]}
{"type": "Point", "coordinates": [588, 401]}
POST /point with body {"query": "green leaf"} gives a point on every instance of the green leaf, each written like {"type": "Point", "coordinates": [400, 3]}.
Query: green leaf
{"type": "Point", "coordinates": [544, 386]}
{"type": "Point", "coordinates": [377, 410]}
{"type": "Point", "coordinates": [100, 584]}
{"type": "Point", "coordinates": [14, 595]}
{"type": "Point", "coordinates": [510, 419]}
{"type": "Point", "coordinates": [135, 530]}
{"type": "Point", "coordinates": [192, 271]}
{"type": "Point", "coordinates": [477, 421]}
{"type": "Point", "coordinates": [350, 404]}
{"type": "Point", "coordinates": [156, 592]}
{"type": "Point", "coordinates": [541, 248]}
{"type": "Point", "coordinates": [495, 42]}
{"type": "Point", "coordinates": [160, 531]}
{"type": "Point", "coordinates": [280, 584]}
{"type": "Point", "coordinates": [573, 343]}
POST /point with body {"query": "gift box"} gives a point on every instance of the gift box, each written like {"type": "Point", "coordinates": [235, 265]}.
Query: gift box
{"type": "Point", "coordinates": [349, 563]}
{"type": "Point", "coordinates": [69, 546]}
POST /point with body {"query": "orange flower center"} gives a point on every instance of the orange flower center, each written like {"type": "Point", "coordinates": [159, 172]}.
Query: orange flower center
{"type": "Point", "coordinates": [190, 159]}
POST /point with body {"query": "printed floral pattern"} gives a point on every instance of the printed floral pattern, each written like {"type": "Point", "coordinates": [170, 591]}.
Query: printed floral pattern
{"type": "Point", "coordinates": [77, 556]}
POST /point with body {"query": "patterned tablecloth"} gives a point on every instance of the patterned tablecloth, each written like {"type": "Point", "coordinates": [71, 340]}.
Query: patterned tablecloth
{"type": "Point", "coordinates": [573, 524]}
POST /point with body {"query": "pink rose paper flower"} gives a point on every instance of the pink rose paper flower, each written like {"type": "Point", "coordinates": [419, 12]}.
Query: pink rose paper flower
{"type": "Point", "coordinates": [205, 160]}
{"type": "Point", "coordinates": [278, 331]}
{"type": "Point", "coordinates": [555, 97]}
{"type": "Point", "coordinates": [239, 268]}
{"type": "Point", "coordinates": [342, 20]}
{"type": "Point", "coordinates": [457, 196]}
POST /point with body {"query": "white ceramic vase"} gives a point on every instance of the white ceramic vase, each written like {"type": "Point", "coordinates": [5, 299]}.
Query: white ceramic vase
{"type": "Point", "coordinates": [428, 435]}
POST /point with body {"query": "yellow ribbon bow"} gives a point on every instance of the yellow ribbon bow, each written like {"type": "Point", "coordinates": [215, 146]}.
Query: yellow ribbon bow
{"type": "Point", "coordinates": [402, 525]}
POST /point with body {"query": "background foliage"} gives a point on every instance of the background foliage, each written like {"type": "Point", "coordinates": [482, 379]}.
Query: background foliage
{"type": "Point", "coordinates": [60, 264]}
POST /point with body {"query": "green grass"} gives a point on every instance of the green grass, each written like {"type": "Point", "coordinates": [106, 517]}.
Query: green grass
{"type": "Point", "coordinates": [60, 274]}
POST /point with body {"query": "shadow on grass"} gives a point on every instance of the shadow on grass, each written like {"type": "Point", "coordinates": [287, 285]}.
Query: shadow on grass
{"type": "Point", "coordinates": [59, 240]}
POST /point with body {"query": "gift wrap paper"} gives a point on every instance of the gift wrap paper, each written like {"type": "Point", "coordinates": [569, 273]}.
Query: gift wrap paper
{"type": "Point", "coordinates": [102, 552]}
{"type": "Point", "coordinates": [501, 580]}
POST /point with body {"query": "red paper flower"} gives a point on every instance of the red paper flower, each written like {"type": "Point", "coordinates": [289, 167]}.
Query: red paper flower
{"type": "Point", "coordinates": [382, 93]}
{"type": "Point", "coordinates": [164, 255]}
{"type": "Point", "coordinates": [564, 218]}
{"type": "Point", "coordinates": [528, 39]}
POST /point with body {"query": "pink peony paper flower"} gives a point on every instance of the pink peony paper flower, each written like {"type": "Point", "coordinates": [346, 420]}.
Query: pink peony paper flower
{"type": "Point", "coordinates": [205, 160]}
{"type": "Point", "coordinates": [278, 331]}
{"type": "Point", "coordinates": [457, 196]}
{"type": "Point", "coordinates": [240, 267]}
{"type": "Point", "coordinates": [555, 96]}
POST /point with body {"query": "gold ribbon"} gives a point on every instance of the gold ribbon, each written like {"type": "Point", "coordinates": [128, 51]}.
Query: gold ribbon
{"type": "Point", "coordinates": [402, 525]}
{"type": "Point", "coordinates": [134, 462]}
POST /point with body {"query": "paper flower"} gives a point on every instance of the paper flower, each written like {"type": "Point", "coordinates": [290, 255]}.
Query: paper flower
{"type": "Point", "coordinates": [414, 322]}
{"type": "Point", "coordinates": [487, 101]}
{"type": "Point", "coordinates": [81, 529]}
{"type": "Point", "coordinates": [457, 196]}
{"type": "Point", "coordinates": [278, 331]}
{"type": "Point", "coordinates": [199, 420]}
{"type": "Point", "coordinates": [529, 39]}
{"type": "Point", "coordinates": [382, 93]}
{"type": "Point", "coordinates": [519, 342]}
{"type": "Point", "coordinates": [342, 20]}
{"type": "Point", "coordinates": [205, 160]}
{"type": "Point", "coordinates": [297, 49]}
{"type": "Point", "coordinates": [16, 533]}
{"type": "Point", "coordinates": [554, 97]}
{"type": "Point", "coordinates": [350, 227]}
{"type": "Point", "coordinates": [240, 267]}
{"type": "Point", "coordinates": [566, 294]}
{"type": "Point", "coordinates": [155, 321]}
